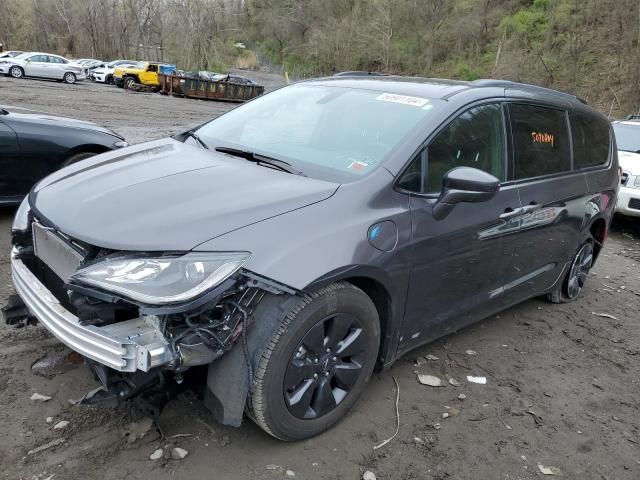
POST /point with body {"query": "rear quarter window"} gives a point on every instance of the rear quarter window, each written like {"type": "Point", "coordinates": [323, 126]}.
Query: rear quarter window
{"type": "Point", "coordinates": [591, 140]}
{"type": "Point", "coordinates": [541, 143]}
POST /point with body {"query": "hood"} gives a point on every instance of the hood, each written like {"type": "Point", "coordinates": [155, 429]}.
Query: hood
{"type": "Point", "coordinates": [53, 120]}
{"type": "Point", "coordinates": [167, 196]}
{"type": "Point", "coordinates": [630, 162]}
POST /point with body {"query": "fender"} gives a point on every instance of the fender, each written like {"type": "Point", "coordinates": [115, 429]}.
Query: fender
{"type": "Point", "coordinates": [388, 295]}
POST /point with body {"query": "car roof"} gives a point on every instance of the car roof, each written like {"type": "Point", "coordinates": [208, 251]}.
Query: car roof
{"type": "Point", "coordinates": [44, 53]}
{"type": "Point", "coordinates": [436, 88]}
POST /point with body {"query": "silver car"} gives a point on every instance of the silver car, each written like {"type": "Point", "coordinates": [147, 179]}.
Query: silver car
{"type": "Point", "coordinates": [42, 65]}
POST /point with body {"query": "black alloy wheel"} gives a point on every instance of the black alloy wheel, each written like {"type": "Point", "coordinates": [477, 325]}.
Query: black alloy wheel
{"type": "Point", "coordinates": [325, 366]}
{"type": "Point", "coordinates": [317, 361]}
{"type": "Point", "coordinates": [579, 271]}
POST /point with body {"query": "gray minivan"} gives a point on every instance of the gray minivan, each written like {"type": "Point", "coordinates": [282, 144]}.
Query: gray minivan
{"type": "Point", "coordinates": [282, 251]}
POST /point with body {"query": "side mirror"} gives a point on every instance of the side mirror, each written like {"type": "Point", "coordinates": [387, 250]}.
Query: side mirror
{"type": "Point", "coordinates": [464, 184]}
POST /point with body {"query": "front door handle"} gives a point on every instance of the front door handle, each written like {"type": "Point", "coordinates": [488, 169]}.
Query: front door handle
{"type": "Point", "coordinates": [510, 213]}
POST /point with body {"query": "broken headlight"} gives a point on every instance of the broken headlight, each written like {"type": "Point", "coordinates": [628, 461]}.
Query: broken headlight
{"type": "Point", "coordinates": [165, 279]}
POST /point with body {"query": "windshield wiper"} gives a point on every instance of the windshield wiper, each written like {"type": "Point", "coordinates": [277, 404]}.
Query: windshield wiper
{"type": "Point", "coordinates": [259, 158]}
{"type": "Point", "coordinates": [196, 137]}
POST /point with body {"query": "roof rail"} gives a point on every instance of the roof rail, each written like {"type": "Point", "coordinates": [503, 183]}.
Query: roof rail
{"type": "Point", "coordinates": [360, 73]}
{"type": "Point", "coordinates": [633, 117]}
{"type": "Point", "coordinates": [509, 84]}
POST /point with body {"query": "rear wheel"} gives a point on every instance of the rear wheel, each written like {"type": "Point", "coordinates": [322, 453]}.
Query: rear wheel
{"type": "Point", "coordinates": [317, 363]}
{"type": "Point", "coordinates": [16, 72]}
{"type": "Point", "coordinates": [576, 277]}
{"type": "Point", "coordinates": [69, 78]}
{"type": "Point", "coordinates": [108, 79]}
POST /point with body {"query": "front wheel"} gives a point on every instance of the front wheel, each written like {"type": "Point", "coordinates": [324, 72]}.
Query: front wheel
{"type": "Point", "coordinates": [129, 82]}
{"type": "Point", "coordinates": [69, 78]}
{"type": "Point", "coordinates": [16, 72]}
{"type": "Point", "coordinates": [317, 363]}
{"type": "Point", "coordinates": [576, 277]}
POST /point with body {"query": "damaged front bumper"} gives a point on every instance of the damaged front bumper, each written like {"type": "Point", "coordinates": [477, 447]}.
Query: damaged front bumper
{"type": "Point", "coordinates": [128, 346]}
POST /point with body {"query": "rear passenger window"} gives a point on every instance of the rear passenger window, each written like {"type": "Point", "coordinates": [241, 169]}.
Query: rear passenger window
{"type": "Point", "coordinates": [540, 141]}
{"type": "Point", "coordinates": [591, 137]}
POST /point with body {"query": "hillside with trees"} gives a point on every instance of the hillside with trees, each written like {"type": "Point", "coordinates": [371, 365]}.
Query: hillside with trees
{"type": "Point", "coordinates": [588, 47]}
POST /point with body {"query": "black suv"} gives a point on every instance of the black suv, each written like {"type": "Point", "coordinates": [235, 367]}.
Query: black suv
{"type": "Point", "coordinates": [294, 244]}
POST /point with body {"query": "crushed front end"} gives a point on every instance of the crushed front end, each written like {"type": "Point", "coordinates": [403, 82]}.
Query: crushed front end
{"type": "Point", "coordinates": [132, 346]}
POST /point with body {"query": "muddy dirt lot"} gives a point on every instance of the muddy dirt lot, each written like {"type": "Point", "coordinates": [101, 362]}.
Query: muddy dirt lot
{"type": "Point", "coordinates": [562, 382]}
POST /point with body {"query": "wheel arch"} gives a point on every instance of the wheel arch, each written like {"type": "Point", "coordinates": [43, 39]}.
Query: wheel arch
{"type": "Point", "coordinates": [598, 229]}
{"type": "Point", "coordinates": [87, 147]}
{"type": "Point", "coordinates": [377, 285]}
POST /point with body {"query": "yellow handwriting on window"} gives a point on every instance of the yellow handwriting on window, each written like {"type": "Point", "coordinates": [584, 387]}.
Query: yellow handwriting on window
{"type": "Point", "coordinates": [539, 137]}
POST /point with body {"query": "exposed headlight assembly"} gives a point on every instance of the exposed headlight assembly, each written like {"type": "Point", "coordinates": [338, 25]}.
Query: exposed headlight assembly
{"type": "Point", "coordinates": [165, 279]}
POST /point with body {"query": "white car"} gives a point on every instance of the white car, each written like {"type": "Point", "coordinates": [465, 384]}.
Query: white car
{"type": "Point", "coordinates": [42, 65]}
{"type": "Point", "coordinates": [628, 140]}
{"type": "Point", "coordinates": [105, 74]}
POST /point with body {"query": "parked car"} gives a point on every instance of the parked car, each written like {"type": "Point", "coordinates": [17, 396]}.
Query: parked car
{"type": "Point", "coordinates": [297, 242]}
{"type": "Point", "coordinates": [10, 53]}
{"type": "Point", "coordinates": [42, 65]}
{"type": "Point", "coordinates": [628, 140]}
{"type": "Point", "coordinates": [33, 145]}
{"type": "Point", "coordinates": [105, 74]}
{"type": "Point", "coordinates": [144, 73]}
{"type": "Point", "coordinates": [90, 64]}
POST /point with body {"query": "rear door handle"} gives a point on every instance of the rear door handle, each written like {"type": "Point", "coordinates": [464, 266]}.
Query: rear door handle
{"type": "Point", "coordinates": [510, 213]}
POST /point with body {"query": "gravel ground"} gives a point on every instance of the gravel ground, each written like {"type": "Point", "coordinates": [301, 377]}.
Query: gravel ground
{"type": "Point", "coordinates": [562, 384]}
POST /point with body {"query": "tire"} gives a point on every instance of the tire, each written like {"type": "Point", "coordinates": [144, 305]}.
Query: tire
{"type": "Point", "coordinates": [129, 82]}
{"type": "Point", "coordinates": [16, 72]}
{"type": "Point", "coordinates": [69, 78]}
{"type": "Point", "coordinates": [76, 157]}
{"type": "Point", "coordinates": [108, 79]}
{"type": "Point", "coordinates": [325, 350]}
{"type": "Point", "coordinates": [573, 282]}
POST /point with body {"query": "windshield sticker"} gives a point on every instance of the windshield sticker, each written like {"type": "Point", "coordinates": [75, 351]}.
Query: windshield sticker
{"type": "Point", "coordinates": [357, 166]}
{"type": "Point", "coordinates": [542, 138]}
{"type": "Point", "coordinates": [403, 99]}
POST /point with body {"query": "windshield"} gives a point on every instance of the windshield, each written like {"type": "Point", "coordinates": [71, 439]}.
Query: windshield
{"type": "Point", "coordinates": [627, 136]}
{"type": "Point", "coordinates": [333, 133]}
{"type": "Point", "coordinates": [23, 56]}
{"type": "Point", "coordinates": [141, 65]}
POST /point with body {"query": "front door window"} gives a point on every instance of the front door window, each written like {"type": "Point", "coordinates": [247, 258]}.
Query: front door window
{"type": "Point", "coordinates": [474, 139]}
